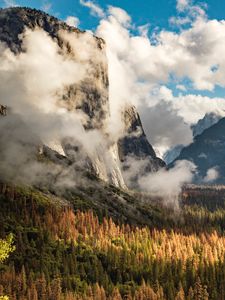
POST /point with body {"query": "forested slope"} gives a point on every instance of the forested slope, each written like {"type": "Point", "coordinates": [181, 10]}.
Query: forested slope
{"type": "Point", "coordinates": [65, 253]}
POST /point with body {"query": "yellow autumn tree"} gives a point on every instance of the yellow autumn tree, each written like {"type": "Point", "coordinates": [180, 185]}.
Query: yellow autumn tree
{"type": "Point", "coordinates": [6, 247]}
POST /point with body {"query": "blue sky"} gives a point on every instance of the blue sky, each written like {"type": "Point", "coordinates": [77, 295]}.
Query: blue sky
{"type": "Point", "coordinates": [155, 12]}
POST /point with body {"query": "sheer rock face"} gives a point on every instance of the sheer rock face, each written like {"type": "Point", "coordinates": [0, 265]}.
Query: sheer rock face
{"type": "Point", "coordinates": [89, 96]}
{"type": "Point", "coordinates": [135, 142]}
{"type": "Point", "coordinates": [134, 146]}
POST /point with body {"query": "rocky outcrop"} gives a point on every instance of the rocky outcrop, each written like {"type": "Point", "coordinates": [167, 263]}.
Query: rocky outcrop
{"type": "Point", "coordinates": [136, 154]}
{"type": "Point", "coordinates": [89, 96]}
{"type": "Point", "coordinates": [3, 110]}
{"type": "Point", "coordinates": [135, 143]}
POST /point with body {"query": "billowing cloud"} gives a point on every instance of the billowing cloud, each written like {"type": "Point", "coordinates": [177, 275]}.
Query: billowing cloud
{"type": "Point", "coordinates": [179, 21]}
{"type": "Point", "coordinates": [164, 127]}
{"type": "Point", "coordinates": [211, 175]}
{"type": "Point", "coordinates": [120, 15]}
{"type": "Point", "coordinates": [95, 9]}
{"type": "Point", "coordinates": [190, 107]}
{"type": "Point", "coordinates": [168, 184]}
{"type": "Point", "coordinates": [195, 53]}
{"type": "Point", "coordinates": [33, 84]}
{"type": "Point", "coordinates": [140, 66]}
{"type": "Point", "coordinates": [182, 5]}
{"type": "Point", "coordinates": [43, 61]}
{"type": "Point", "coordinates": [72, 21]}
{"type": "Point", "coordinates": [189, 11]}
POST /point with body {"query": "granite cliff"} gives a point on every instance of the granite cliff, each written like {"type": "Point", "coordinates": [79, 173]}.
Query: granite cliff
{"type": "Point", "coordinates": [90, 96]}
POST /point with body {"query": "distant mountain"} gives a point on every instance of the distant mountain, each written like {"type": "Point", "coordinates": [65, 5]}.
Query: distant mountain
{"type": "Point", "coordinates": [208, 152]}
{"type": "Point", "coordinates": [207, 121]}
{"type": "Point", "coordinates": [172, 154]}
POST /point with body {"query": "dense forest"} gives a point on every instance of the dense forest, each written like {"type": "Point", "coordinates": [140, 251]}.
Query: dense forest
{"type": "Point", "coordinates": [64, 252]}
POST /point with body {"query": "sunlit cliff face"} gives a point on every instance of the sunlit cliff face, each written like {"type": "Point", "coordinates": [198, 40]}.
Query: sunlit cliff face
{"type": "Point", "coordinates": [55, 79]}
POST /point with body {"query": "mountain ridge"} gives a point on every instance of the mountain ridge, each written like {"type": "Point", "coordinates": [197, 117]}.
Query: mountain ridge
{"type": "Point", "coordinates": [207, 152]}
{"type": "Point", "coordinates": [207, 121]}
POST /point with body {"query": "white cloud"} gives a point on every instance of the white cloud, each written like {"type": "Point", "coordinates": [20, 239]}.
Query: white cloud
{"type": "Point", "coordinates": [192, 11]}
{"type": "Point", "coordinates": [144, 29]}
{"type": "Point", "coordinates": [41, 60]}
{"type": "Point", "coordinates": [182, 5]}
{"type": "Point", "coordinates": [10, 3]}
{"type": "Point", "coordinates": [164, 127]}
{"type": "Point", "coordinates": [192, 53]}
{"type": "Point", "coordinates": [179, 21]}
{"type": "Point", "coordinates": [46, 6]}
{"type": "Point", "coordinates": [120, 15]}
{"type": "Point", "coordinates": [190, 107]}
{"type": "Point", "coordinates": [139, 70]}
{"type": "Point", "coordinates": [95, 9]}
{"type": "Point", "coordinates": [211, 175]}
{"type": "Point", "coordinates": [194, 107]}
{"type": "Point", "coordinates": [181, 87]}
{"type": "Point", "coordinates": [168, 183]}
{"type": "Point", "coordinates": [72, 21]}
{"type": "Point", "coordinates": [174, 115]}
{"type": "Point", "coordinates": [32, 84]}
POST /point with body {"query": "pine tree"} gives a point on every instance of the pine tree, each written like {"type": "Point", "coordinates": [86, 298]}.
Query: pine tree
{"type": "Point", "coordinates": [56, 289]}
{"type": "Point", "coordinates": [180, 294]}
{"type": "Point", "coordinates": [116, 295]}
{"type": "Point", "coordinates": [24, 280]}
{"type": "Point", "coordinates": [42, 287]}
{"type": "Point", "coordinates": [33, 295]}
{"type": "Point", "coordinates": [199, 292]}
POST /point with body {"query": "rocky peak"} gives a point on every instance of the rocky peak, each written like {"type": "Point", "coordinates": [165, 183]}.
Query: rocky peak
{"type": "Point", "coordinates": [13, 20]}
{"type": "Point", "coordinates": [134, 148]}
{"type": "Point", "coordinates": [3, 110]}
{"type": "Point", "coordinates": [197, 129]}
{"type": "Point", "coordinates": [207, 152]}
{"type": "Point", "coordinates": [207, 121]}
{"type": "Point", "coordinates": [135, 142]}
